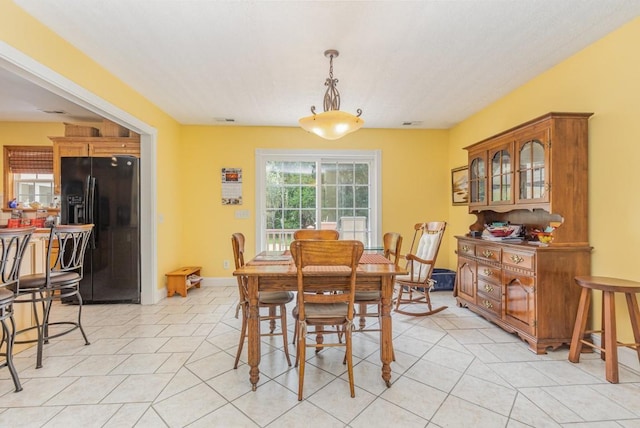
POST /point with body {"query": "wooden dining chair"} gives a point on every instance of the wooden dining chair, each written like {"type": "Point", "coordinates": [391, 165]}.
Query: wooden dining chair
{"type": "Point", "coordinates": [274, 301]}
{"type": "Point", "coordinates": [324, 266]}
{"type": "Point", "coordinates": [392, 245]}
{"type": "Point", "coordinates": [330, 234]}
{"type": "Point", "coordinates": [322, 234]}
{"type": "Point", "coordinates": [420, 261]}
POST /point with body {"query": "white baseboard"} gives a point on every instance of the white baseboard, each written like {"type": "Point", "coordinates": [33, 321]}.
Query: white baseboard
{"type": "Point", "coordinates": [219, 282]}
{"type": "Point", "coordinates": [626, 356]}
{"type": "Point", "coordinates": [161, 293]}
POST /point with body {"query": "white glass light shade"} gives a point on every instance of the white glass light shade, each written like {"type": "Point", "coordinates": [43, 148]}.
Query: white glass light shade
{"type": "Point", "coordinates": [332, 124]}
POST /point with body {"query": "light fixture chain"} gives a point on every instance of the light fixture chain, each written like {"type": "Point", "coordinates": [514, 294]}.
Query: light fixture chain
{"type": "Point", "coordinates": [332, 96]}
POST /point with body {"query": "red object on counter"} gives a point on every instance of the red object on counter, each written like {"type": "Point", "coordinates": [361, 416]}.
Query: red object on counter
{"type": "Point", "coordinates": [14, 222]}
{"type": "Point", "coordinates": [38, 222]}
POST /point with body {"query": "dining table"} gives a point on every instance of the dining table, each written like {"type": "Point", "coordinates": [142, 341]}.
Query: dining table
{"type": "Point", "coordinates": [276, 271]}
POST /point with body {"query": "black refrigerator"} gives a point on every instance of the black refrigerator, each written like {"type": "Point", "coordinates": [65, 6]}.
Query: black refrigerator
{"type": "Point", "coordinates": [105, 192]}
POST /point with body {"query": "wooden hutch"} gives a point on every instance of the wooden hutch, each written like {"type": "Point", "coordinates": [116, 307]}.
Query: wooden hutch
{"type": "Point", "coordinates": [535, 175]}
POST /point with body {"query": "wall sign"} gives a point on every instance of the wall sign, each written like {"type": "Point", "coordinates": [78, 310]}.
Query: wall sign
{"type": "Point", "coordinates": [231, 186]}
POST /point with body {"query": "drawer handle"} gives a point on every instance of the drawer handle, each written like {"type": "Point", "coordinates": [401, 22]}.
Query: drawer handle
{"type": "Point", "coordinates": [487, 272]}
{"type": "Point", "coordinates": [487, 304]}
{"type": "Point", "coordinates": [516, 258]}
{"type": "Point", "coordinates": [487, 253]}
{"type": "Point", "coordinates": [488, 288]}
{"type": "Point", "coordinates": [465, 248]}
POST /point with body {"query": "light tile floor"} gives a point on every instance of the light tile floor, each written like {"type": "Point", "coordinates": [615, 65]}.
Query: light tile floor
{"type": "Point", "coordinates": [171, 365]}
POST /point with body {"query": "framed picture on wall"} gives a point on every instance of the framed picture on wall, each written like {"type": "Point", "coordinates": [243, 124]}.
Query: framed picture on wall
{"type": "Point", "coordinates": [460, 185]}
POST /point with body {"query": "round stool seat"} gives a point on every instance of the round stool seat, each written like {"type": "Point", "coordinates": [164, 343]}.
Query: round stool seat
{"type": "Point", "coordinates": [604, 283]}
{"type": "Point", "coordinates": [6, 296]}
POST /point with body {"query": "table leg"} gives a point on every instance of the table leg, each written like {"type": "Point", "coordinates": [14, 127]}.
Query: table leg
{"type": "Point", "coordinates": [253, 347]}
{"type": "Point", "coordinates": [386, 329]}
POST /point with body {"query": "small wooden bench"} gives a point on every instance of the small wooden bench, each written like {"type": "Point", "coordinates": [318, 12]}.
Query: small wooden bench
{"type": "Point", "coordinates": [178, 281]}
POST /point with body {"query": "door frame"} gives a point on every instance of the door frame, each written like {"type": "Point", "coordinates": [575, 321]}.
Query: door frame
{"type": "Point", "coordinates": [29, 69]}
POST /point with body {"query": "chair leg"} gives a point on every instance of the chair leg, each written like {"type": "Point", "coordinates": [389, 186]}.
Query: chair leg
{"type": "Point", "coordinates": [349, 355]}
{"type": "Point", "coordinates": [283, 326]}
{"type": "Point", "coordinates": [272, 319]}
{"type": "Point", "coordinates": [39, 328]}
{"type": "Point", "coordinates": [10, 336]}
{"type": "Point", "coordinates": [295, 336]}
{"type": "Point", "coordinates": [297, 343]}
{"type": "Point", "coordinates": [610, 341]}
{"type": "Point", "coordinates": [399, 297]}
{"type": "Point", "coordinates": [580, 325]}
{"type": "Point", "coordinates": [84, 335]}
{"type": "Point", "coordinates": [363, 313]}
{"type": "Point", "coordinates": [243, 334]}
{"type": "Point", "coordinates": [302, 345]}
{"type": "Point", "coordinates": [634, 313]}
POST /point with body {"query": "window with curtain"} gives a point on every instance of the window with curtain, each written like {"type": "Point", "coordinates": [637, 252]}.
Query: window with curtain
{"type": "Point", "coordinates": [28, 174]}
{"type": "Point", "coordinates": [332, 189]}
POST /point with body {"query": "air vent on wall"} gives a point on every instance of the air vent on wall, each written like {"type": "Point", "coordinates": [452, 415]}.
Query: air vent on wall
{"type": "Point", "coordinates": [224, 119]}
{"type": "Point", "coordinates": [412, 123]}
{"type": "Point", "coordinates": [54, 111]}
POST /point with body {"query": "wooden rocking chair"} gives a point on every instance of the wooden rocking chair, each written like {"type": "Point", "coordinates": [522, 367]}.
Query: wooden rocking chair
{"type": "Point", "coordinates": [420, 263]}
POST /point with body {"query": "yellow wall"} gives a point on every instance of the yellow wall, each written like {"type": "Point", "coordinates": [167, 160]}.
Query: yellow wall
{"type": "Point", "coordinates": [24, 33]}
{"type": "Point", "coordinates": [415, 182]}
{"type": "Point", "coordinates": [603, 79]}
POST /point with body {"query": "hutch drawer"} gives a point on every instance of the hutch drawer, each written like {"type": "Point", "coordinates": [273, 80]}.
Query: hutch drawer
{"type": "Point", "coordinates": [489, 289]}
{"type": "Point", "coordinates": [489, 252]}
{"type": "Point", "coordinates": [523, 260]}
{"type": "Point", "coordinates": [465, 248]}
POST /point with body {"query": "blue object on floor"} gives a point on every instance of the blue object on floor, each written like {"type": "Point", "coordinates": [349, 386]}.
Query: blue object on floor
{"type": "Point", "coordinates": [444, 279]}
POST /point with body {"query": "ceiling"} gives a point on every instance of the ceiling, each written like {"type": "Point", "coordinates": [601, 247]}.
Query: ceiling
{"type": "Point", "coordinates": [429, 63]}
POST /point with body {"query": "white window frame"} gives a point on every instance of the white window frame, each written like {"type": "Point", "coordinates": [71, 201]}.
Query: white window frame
{"type": "Point", "coordinates": [373, 157]}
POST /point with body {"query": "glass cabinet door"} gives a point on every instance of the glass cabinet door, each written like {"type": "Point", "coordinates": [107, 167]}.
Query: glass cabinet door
{"type": "Point", "coordinates": [477, 181]}
{"type": "Point", "coordinates": [533, 183]}
{"type": "Point", "coordinates": [501, 176]}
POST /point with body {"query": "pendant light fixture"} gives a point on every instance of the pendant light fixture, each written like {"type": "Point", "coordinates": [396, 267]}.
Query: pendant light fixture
{"type": "Point", "coordinates": [333, 123]}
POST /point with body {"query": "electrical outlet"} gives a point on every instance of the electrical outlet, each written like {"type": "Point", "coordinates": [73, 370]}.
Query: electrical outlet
{"type": "Point", "coordinates": [225, 264]}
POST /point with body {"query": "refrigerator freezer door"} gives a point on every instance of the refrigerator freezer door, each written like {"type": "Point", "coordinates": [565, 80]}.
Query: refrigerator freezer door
{"type": "Point", "coordinates": [116, 257]}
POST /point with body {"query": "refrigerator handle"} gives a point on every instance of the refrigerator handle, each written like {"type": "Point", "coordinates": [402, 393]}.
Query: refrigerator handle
{"type": "Point", "coordinates": [91, 207]}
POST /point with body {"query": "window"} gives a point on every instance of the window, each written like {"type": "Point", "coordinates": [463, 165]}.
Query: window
{"type": "Point", "coordinates": [28, 174]}
{"type": "Point", "coordinates": [317, 189]}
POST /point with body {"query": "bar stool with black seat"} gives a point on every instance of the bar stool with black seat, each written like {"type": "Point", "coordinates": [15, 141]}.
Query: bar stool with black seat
{"type": "Point", "coordinates": [60, 282]}
{"type": "Point", "coordinates": [13, 243]}
{"type": "Point", "coordinates": [274, 301]}
{"type": "Point", "coordinates": [609, 350]}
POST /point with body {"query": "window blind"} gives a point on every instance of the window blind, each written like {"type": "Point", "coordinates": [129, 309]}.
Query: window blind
{"type": "Point", "coordinates": [31, 161]}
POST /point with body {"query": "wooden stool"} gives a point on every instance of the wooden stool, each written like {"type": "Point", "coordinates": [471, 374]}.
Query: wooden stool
{"type": "Point", "coordinates": [609, 351]}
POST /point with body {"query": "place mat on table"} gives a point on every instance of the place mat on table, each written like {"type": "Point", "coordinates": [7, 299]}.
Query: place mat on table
{"type": "Point", "coordinates": [285, 258]}
{"type": "Point", "coordinates": [374, 259]}
{"type": "Point", "coordinates": [271, 259]}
